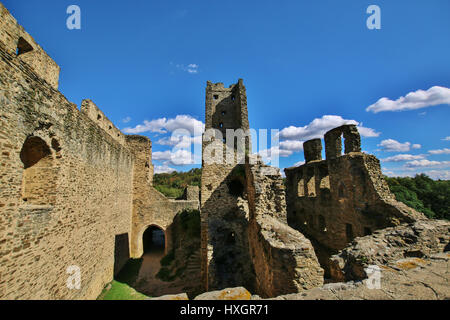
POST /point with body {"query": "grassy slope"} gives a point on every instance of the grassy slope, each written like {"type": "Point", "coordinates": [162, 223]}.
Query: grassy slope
{"type": "Point", "coordinates": [121, 287]}
{"type": "Point", "coordinates": [121, 291]}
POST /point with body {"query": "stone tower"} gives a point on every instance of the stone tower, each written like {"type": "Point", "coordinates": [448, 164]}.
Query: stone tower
{"type": "Point", "coordinates": [224, 215]}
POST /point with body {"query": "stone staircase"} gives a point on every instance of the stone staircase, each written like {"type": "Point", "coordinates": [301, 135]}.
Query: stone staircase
{"type": "Point", "coordinates": [193, 264]}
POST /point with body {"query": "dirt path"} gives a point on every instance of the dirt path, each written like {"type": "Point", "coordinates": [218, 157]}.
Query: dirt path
{"type": "Point", "coordinates": [147, 283]}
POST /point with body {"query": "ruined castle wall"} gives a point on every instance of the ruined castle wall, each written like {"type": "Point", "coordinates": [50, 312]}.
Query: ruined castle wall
{"type": "Point", "coordinates": [284, 260]}
{"type": "Point", "coordinates": [391, 248]}
{"type": "Point", "coordinates": [335, 200]}
{"type": "Point", "coordinates": [150, 207]}
{"type": "Point", "coordinates": [224, 229]}
{"type": "Point", "coordinates": [17, 42]}
{"type": "Point", "coordinates": [66, 191]}
{"type": "Point", "coordinates": [95, 114]}
{"type": "Point", "coordinates": [191, 193]}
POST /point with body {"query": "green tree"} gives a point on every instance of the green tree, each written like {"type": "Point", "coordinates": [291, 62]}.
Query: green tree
{"type": "Point", "coordinates": [172, 184]}
{"type": "Point", "coordinates": [423, 194]}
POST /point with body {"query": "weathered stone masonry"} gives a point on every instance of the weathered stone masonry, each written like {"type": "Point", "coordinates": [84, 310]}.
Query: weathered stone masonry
{"type": "Point", "coordinates": [74, 190]}
{"type": "Point", "coordinates": [223, 219]}
{"type": "Point", "coordinates": [150, 207]}
{"type": "Point", "coordinates": [335, 200]}
{"type": "Point", "coordinates": [245, 237]}
{"type": "Point", "coordinates": [283, 259]}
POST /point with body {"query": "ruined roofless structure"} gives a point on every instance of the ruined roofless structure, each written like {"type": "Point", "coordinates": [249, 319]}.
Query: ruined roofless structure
{"type": "Point", "coordinates": [345, 196]}
{"type": "Point", "coordinates": [76, 191]}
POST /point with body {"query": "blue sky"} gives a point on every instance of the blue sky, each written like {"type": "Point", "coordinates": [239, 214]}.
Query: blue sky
{"type": "Point", "coordinates": [145, 60]}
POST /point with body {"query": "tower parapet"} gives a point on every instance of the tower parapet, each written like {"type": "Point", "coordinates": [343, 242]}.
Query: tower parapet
{"type": "Point", "coordinates": [226, 108]}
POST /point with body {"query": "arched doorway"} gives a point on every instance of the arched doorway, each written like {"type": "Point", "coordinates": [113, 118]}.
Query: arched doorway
{"type": "Point", "coordinates": [154, 240]}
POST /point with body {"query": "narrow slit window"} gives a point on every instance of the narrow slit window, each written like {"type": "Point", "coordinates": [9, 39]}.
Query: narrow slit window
{"type": "Point", "coordinates": [349, 232]}
{"type": "Point", "coordinates": [301, 188]}
{"type": "Point", "coordinates": [322, 224]}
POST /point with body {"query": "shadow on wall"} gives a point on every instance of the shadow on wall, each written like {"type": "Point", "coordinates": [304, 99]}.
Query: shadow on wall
{"type": "Point", "coordinates": [121, 252]}
{"type": "Point", "coordinates": [230, 265]}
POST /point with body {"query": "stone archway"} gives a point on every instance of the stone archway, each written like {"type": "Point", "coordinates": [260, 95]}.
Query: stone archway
{"type": "Point", "coordinates": [137, 248]}
{"type": "Point", "coordinates": [154, 238]}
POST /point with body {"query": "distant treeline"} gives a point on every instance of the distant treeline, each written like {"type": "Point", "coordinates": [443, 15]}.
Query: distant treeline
{"type": "Point", "coordinates": [423, 194]}
{"type": "Point", "coordinates": [173, 184]}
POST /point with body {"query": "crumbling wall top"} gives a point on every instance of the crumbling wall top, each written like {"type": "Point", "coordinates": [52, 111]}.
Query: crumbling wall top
{"type": "Point", "coordinates": [312, 150]}
{"type": "Point", "coordinates": [95, 114]}
{"type": "Point", "coordinates": [226, 108]}
{"type": "Point", "coordinates": [191, 193]}
{"type": "Point", "coordinates": [17, 42]}
{"type": "Point", "coordinates": [333, 141]}
{"type": "Point", "coordinates": [219, 86]}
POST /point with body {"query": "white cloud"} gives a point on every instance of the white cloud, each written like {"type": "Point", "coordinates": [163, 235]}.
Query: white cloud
{"type": "Point", "coordinates": [438, 174]}
{"type": "Point", "coordinates": [192, 68]}
{"type": "Point", "coordinates": [433, 174]}
{"type": "Point", "coordinates": [164, 125]}
{"type": "Point", "coordinates": [413, 100]}
{"type": "Point", "coordinates": [427, 163]}
{"type": "Point", "coordinates": [126, 120]}
{"type": "Point", "coordinates": [162, 155]}
{"type": "Point", "coordinates": [180, 141]}
{"type": "Point", "coordinates": [368, 132]}
{"type": "Point", "coordinates": [440, 151]}
{"type": "Point", "coordinates": [187, 122]}
{"type": "Point", "coordinates": [388, 173]}
{"type": "Point", "coordinates": [319, 126]}
{"type": "Point", "coordinates": [292, 145]}
{"type": "Point", "coordinates": [274, 152]}
{"type": "Point", "coordinates": [164, 169]}
{"type": "Point", "coordinates": [177, 158]}
{"type": "Point", "coordinates": [148, 126]}
{"type": "Point", "coordinates": [298, 164]}
{"type": "Point", "coordinates": [391, 145]}
{"type": "Point", "coordinates": [446, 139]}
{"type": "Point", "coordinates": [403, 157]}
{"type": "Point", "coordinates": [433, 169]}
